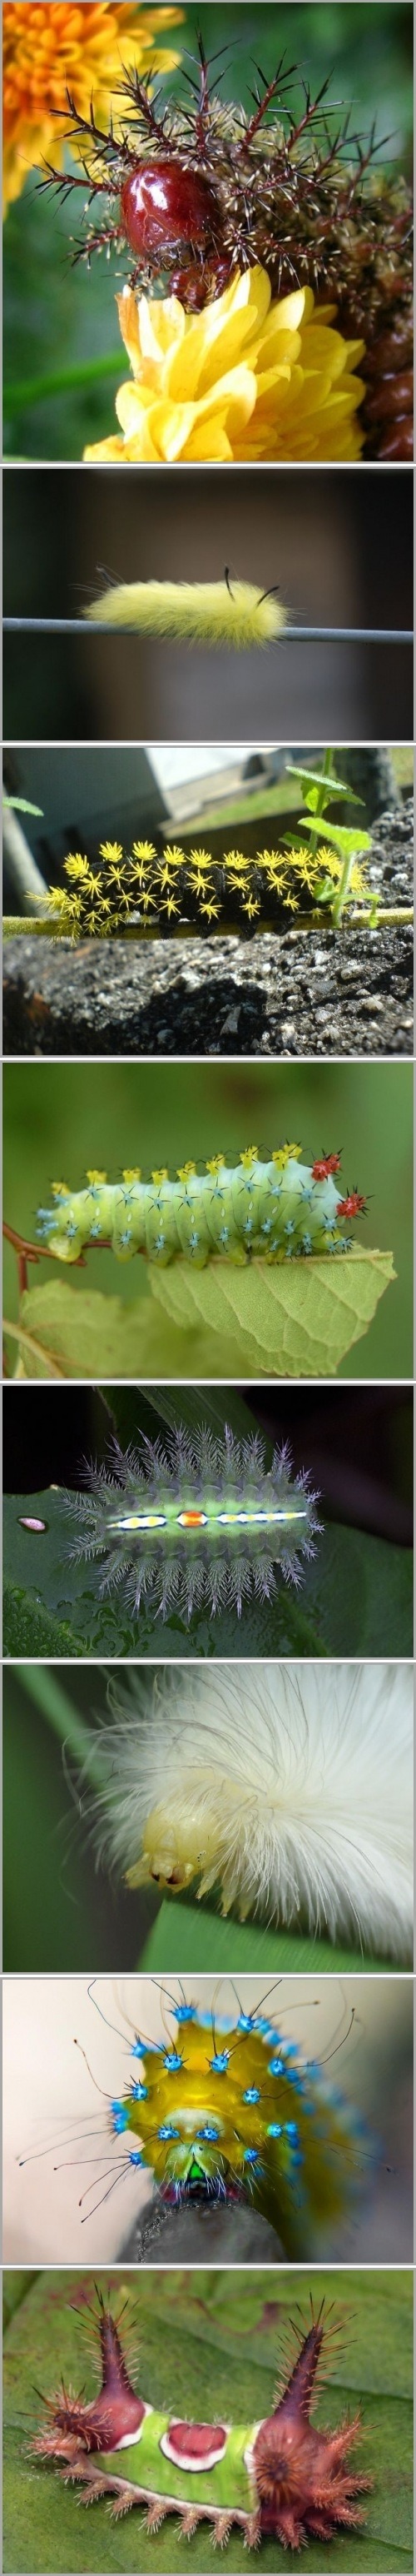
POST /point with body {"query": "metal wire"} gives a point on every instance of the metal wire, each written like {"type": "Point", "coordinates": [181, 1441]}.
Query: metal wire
{"type": "Point", "coordinates": [292, 634]}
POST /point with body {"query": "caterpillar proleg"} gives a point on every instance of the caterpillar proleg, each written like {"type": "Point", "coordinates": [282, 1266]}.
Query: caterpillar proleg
{"type": "Point", "coordinates": [204, 612]}
{"type": "Point", "coordinates": [197, 1522]}
{"type": "Point", "coordinates": [286, 1795]}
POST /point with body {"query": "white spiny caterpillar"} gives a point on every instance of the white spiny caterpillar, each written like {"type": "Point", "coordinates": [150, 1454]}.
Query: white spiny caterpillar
{"type": "Point", "coordinates": [274, 1209]}
{"type": "Point", "coordinates": [197, 1522]}
{"type": "Point", "coordinates": [194, 612]}
{"type": "Point", "coordinates": [289, 1793]}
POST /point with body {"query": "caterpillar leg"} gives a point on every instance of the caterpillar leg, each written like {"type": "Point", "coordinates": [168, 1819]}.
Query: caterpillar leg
{"type": "Point", "coordinates": [86, 2474]}
{"type": "Point", "coordinates": [156, 2515]}
{"type": "Point", "coordinates": [97, 2482]}
{"type": "Point", "coordinates": [221, 2530]}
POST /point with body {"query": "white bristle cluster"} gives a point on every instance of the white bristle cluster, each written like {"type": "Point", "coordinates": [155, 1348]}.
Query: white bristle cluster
{"type": "Point", "coordinates": [194, 612]}
{"type": "Point", "coordinates": [289, 1793]}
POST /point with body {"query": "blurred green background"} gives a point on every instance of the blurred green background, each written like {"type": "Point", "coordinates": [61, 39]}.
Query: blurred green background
{"type": "Point", "coordinates": [57, 319]}
{"type": "Point", "coordinates": [60, 1121]}
{"type": "Point", "coordinates": [58, 1913]}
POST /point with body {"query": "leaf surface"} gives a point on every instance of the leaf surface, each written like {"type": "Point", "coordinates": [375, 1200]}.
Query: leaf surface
{"type": "Point", "coordinates": [293, 1319]}
{"type": "Point", "coordinates": [356, 1599]}
{"type": "Point", "coordinates": [95, 1336]}
{"type": "Point", "coordinates": [190, 1932]}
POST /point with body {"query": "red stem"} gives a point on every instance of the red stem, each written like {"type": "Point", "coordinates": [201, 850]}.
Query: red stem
{"type": "Point", "coordinates": [27, 1251]}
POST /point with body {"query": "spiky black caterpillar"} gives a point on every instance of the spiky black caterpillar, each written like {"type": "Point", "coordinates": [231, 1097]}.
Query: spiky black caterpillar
{"type": "Point", "coordinates": [204, 190]}
{"type": "Point", "coordinates": [282, 2477]}
{"type": "Point", "coordinates": [199, 1522]}
{"type": "Point", "coordinates": [273, 1209]}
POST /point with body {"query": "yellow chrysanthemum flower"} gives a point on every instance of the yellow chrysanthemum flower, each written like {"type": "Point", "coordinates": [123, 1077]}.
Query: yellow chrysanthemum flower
{"type": "Point", "coordinates": [49, 48]}
{"type": "Point", "coordinates": [247, 379]}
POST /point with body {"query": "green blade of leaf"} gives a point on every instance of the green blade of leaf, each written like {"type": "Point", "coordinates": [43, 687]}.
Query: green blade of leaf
{"type": "Point", "coordinates": [356, 1599]}
{"type": "Point", "coordinates": [194, 1934]}
{"type": "Point", "coordinates": [291, 1319]}
{"type": "Point", "coordinates": [90, 1335]}
{"type": "Point", "coordinates": [345, 841]}
{"type": "Point", "coordinates": [20, 805]}
{"type": "Point", "coordinates": [316, 778]}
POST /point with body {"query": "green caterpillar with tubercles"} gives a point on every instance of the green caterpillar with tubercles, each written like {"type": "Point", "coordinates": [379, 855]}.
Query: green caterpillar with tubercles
{"type": "Point", "coordinates": [273, 1208]}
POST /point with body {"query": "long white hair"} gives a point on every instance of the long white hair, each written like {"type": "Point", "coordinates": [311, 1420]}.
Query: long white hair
{"type": "Point", "coordinates": [285, 1793]}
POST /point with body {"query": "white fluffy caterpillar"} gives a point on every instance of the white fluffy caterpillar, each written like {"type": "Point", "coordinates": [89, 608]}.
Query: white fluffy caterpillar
{"type": "Point", "coordinates": [288, 1793]}
{"type": "Point", "coordinates": [194, 612]}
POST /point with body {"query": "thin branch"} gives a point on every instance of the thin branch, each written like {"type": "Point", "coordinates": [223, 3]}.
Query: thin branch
{"type": "Point", "coordinates": [292, 635]}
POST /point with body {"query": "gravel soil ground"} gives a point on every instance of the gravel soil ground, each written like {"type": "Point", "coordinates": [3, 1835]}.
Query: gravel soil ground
{"type": "Point", "coordinates": [292, 992]}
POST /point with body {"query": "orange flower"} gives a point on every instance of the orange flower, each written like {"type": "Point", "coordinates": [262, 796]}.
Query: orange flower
{"type": "Point", "coordinates": [49, 46]}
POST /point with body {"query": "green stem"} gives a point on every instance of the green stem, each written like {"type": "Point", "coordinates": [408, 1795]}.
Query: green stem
{"type": "Point", "coordinates": [337, 907]}
{"type": "Point", "coordinates": [55, 1706]}
{"type": "Point", "coordinates": [322, 794]}
{"type": "Point", "coordinates": [34, 389]}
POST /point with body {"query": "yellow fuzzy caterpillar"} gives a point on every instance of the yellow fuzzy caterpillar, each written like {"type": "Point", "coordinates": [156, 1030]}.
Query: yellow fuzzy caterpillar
{"type": "Point", "coordinates": [200, 612]}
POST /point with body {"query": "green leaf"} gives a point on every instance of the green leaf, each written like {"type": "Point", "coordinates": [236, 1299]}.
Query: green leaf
{"type": "Point", "coordinates": [291, 1319]}
{"type": "Point", "coordinates": [209, 2346]}
{"type": "Point", "coordinates": [295, 1319]}
{"type": "Point", "coordinates": [90, 1335]}
{"type": "Point", "coordinates": [21, 805]}
{"type": "Point", "coordinates": [191, 1932]}
{"type": "Point", "coordinates": [28, 1630]}
{"type": "Point", "coordinates": [345, 841]}
{"type": "Point", "coordinates": [16, 2286]}
{"type": "Point", "coordinates": [356, 1599]}
{"type": "Point", "coordinates": [315, 779]}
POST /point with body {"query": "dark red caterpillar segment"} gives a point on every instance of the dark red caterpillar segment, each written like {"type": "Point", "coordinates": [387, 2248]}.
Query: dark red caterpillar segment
{"type": "Point", "coordinates": [305, 2487]}
{"type": "Point", "coordinates": [388, 408]}
{"type": "Point", "coordinates": [165, 206]}
{"type": "Point", "coordinates": [105, 2422]}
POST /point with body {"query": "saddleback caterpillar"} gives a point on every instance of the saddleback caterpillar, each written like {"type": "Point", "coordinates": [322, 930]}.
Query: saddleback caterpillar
{"type": "Point", "coordinates": [285, 2477]}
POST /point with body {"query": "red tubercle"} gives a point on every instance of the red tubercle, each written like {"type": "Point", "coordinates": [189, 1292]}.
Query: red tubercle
{"type": "Point", "coordinates": [353, 1205]}
{"type": "Point", "coordinates": [328, 1163]}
